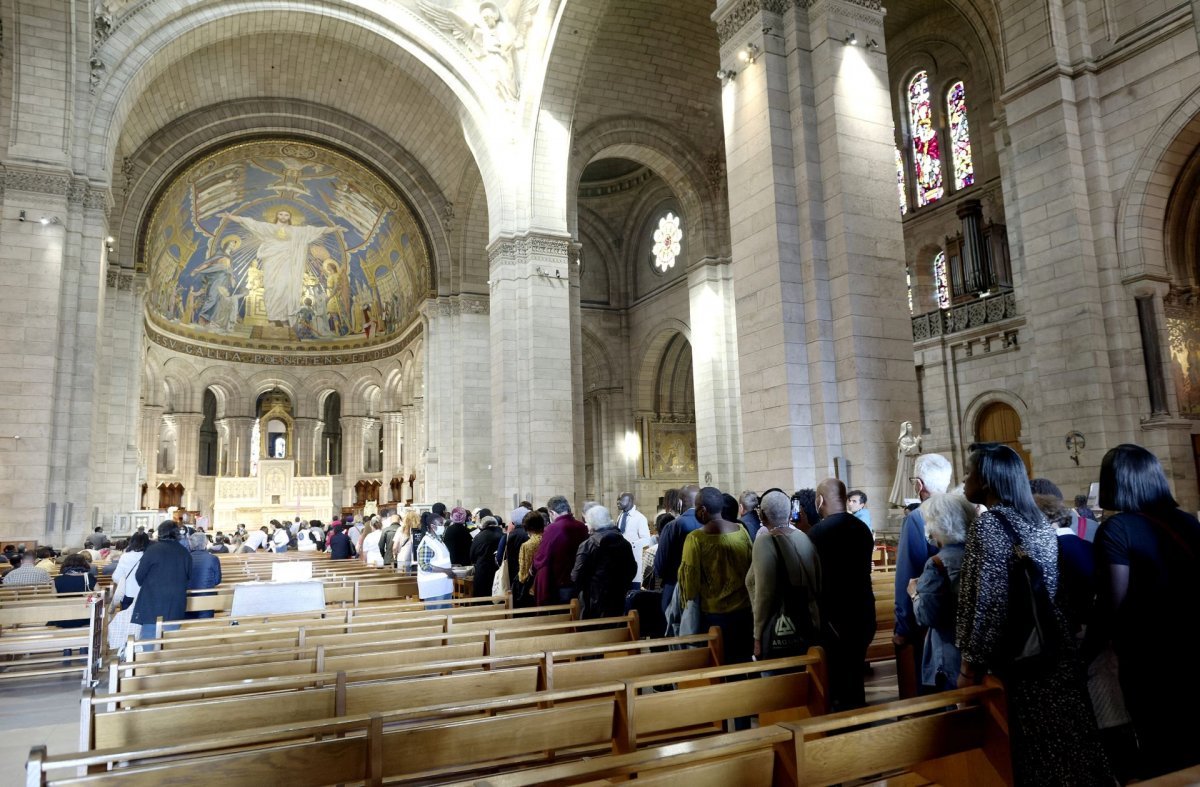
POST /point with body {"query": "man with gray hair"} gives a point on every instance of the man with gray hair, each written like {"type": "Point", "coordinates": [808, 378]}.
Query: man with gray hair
{"type": "Point", "coordinates": [604, 566]}
{"type": "Point", "coordinates": [931, 476]}
{"type": "Point", "coordinates": [556, 554]}
{"type": "Point", "coordinates": [749, 512]}
{"type": "Point", "coordinates": [206, 571]}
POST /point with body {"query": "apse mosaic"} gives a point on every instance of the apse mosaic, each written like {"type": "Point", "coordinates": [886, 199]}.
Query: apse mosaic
{"type": "Point", "coordinates": [281, 244]}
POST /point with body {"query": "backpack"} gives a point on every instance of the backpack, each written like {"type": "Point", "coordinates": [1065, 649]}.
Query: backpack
{"type": "Point", "coordinates": [789, 630]}
{"type": "Point", "coordinates": [1031, 639]}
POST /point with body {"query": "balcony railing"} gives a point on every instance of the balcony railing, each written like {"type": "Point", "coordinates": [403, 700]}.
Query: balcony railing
{"type": "Point", "coordinates": [974, 314]}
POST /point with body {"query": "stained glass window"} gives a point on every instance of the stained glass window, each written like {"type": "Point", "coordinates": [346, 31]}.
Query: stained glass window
{"type": "Point", "coordinates": [960, 136]}
{"type": "Point", "coordinates": [666, 242]}
{"type": "Point", "coordinates": [908, 284]}
{"type": "Point", "coordinates": [900, 183]}
{"type": "Point", "coordinates": [927, 159]}
{"type": "Point", "coordinates": [941, 281]}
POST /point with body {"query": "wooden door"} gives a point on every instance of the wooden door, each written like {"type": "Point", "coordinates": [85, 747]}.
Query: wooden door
{"type": "Point", "coordinates": [999, 423]}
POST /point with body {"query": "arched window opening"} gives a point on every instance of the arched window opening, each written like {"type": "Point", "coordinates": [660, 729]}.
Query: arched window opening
{"type": "Point", "coordinates": [900, 183]}
{"type": "Point", "coordinates": [941, 281]}
{"type": "Point", "coordinates": [207, 460]}
{"type": "Point", "coordinates": [960, 136]}
{"type": "Point", "coordinates": [927, 159]}
{"type": "Point", "coordinates": [332, 418]}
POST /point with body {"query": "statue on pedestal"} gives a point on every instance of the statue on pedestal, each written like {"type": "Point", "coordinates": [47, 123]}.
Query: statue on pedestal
{"type": "Point", "coordinates": [908, 447]}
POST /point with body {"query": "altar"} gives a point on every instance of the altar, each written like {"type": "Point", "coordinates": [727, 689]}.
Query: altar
{"type": "Point", "coordinates": [275, 493]}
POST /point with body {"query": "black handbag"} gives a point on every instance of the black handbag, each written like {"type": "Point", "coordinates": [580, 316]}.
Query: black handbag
{"type": "Point", "coordinates": [789, 630]}
{"type": "Point", "coordinates": [1031, 640]}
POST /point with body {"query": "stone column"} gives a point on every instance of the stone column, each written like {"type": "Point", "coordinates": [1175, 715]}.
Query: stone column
{"type": "Point", "coordinates": [459, 398]}
{"type": "Point", "coordinates": [353, 427]}
{"type": "Point", "coordinates": [187, 455]}
{"type": "Point", "coordinates": [531, 382]}
{"type": "Point", "coordinates": [308, 431]}
{"type": "Point", "coordinates": [715, 372]}
{"type": "Point", "coordinates": [151, 430]}
{"type": "Point", "coordinates": [823, 332]}
{"type": "Point", "coordinates": [241, 431]}
{"type": "Point", "coordinates": [393, 441]}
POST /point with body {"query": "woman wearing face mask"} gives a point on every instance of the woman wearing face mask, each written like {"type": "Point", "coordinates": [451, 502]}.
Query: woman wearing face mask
{"type": "Point", "coordinates": [435, 579]}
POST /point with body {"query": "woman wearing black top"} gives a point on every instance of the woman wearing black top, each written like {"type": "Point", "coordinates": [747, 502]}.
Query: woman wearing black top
{"type": "Point", "coordinates": [1147, 560]}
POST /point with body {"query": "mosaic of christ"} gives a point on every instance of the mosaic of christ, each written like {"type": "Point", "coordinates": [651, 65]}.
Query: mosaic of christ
{"type": "Point", "coordinates": [276, 243]}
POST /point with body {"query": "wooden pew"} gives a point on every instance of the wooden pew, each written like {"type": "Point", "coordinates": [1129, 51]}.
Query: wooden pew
{"type": "Point", "coordinates": [322, 694]}
{"type": "Point", "coordinates": [753, 757]}
{"type": "Point", "coordinates": [517, 729]}
{"type": "Point", "coordinates": [29, 648]}
{"type": "Point", "coordinates": [956, 737]}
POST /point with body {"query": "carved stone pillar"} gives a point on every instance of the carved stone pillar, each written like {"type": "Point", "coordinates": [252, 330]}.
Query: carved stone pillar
{"type": "Point", "coordinates": [241, 430]}
{"type": "Point", "coordinates": [187, 455]}
{"type": "Point", "coordinates": [149, 434]}
{"type": "Point", "coordinates": [824, 342]}
{"type": "Point", "coordinates": [532, 386]}
{"type": "Point", "coordinates": [393, 444]}
{"type": "Point", "coordinates": [715, 372]}
{"type": "Point", "coordinates": [353, 427]}
{"type": "Point", "coordinates": [308, 432]}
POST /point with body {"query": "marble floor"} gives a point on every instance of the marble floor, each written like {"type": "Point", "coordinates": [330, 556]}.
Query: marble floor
{"type": "Point", "coordinates": [42, 712]}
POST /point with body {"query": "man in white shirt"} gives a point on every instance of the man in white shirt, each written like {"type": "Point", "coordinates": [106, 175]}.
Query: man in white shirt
{"type": "Point", "coordinates": [632, 524]}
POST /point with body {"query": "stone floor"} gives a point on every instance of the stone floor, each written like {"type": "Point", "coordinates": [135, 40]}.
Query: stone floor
{"type": "Point", "coordinates": [43, 712]}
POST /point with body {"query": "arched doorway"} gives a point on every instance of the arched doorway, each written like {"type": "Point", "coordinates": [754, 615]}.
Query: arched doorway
{"type": "Point", "coordinates": [999, 423]}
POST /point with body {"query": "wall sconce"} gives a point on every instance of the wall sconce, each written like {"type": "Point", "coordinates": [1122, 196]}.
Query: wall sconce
{"type": "Point", "coordinates": [50, 220]}
{"type": "Point", "coordinates": [1075, 443]}
{"type": "Point", "coordinates": [851, 38]}
{"type": "Point", "coordinates": [726, 75]}
{"type": "Point", "coordinates": [549, 273]}
{"type": "Point", "coordinates": [21, 216]}
{"type": "Point", "coordinates": [872, 44]}
{"type": "Point", "coordinates": [749, 53]}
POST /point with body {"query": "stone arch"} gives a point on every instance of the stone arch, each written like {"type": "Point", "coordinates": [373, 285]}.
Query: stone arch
{"type": "Point", "coordinates": [181, 384]}
{"type": "Point", "coordinates": [982, 401]}
{"type": "Point", "coordinates": [228, 388]}
{"type": "Point", "coordinates": [648, 357]}
{"type": "Point", "coordinates": [174, 147]}
{"type": "Point", "coordinates": [259, 383]}
{"type": "Point", "coordinates": [682, 168]}
{"type": "Point", "coordinates": [144, 42]}
{"type": "Point", "coordinates": [1141, 214]}
{"type": "Point", "coordinates": [600, 256]}
{"type": "Point", "coordinates": [317, 386]}
{"type": "Point", "coordinates": [597, 363]}
{"type": "Point", "coordinates": [363, 387]}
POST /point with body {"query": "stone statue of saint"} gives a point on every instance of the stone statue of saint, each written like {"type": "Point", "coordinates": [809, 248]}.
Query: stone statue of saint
{"type": "Point", "coordinates": [907, 449]}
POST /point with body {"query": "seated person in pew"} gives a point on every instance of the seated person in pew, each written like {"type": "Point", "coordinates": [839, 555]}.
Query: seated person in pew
{"type": "Point", "coordinates": [206, 571]}
{"type": "Point", "coordinates": [73, 579]}
{"type": "Point", "coordinates": [935, 593]}
{"type": "Point", "coordinates": [24, 573]}
{"type": "Point", "coordinates": [45, 559]}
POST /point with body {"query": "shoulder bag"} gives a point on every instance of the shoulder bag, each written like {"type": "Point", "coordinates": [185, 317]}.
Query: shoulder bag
{"type": "Point", "coordinates": [1031, 639]}
{"type": "Point", "coordinates": [789, 631]}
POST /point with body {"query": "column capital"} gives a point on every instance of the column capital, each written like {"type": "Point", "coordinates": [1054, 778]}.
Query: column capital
{"type": "Point", "coordinates": [533, 248]}
{"type": "Point", "coordinates": [733, 17]}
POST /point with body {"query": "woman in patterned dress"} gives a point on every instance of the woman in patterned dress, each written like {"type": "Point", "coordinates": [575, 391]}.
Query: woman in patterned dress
{"type": "Point", "coordinates": [1051, 726]}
